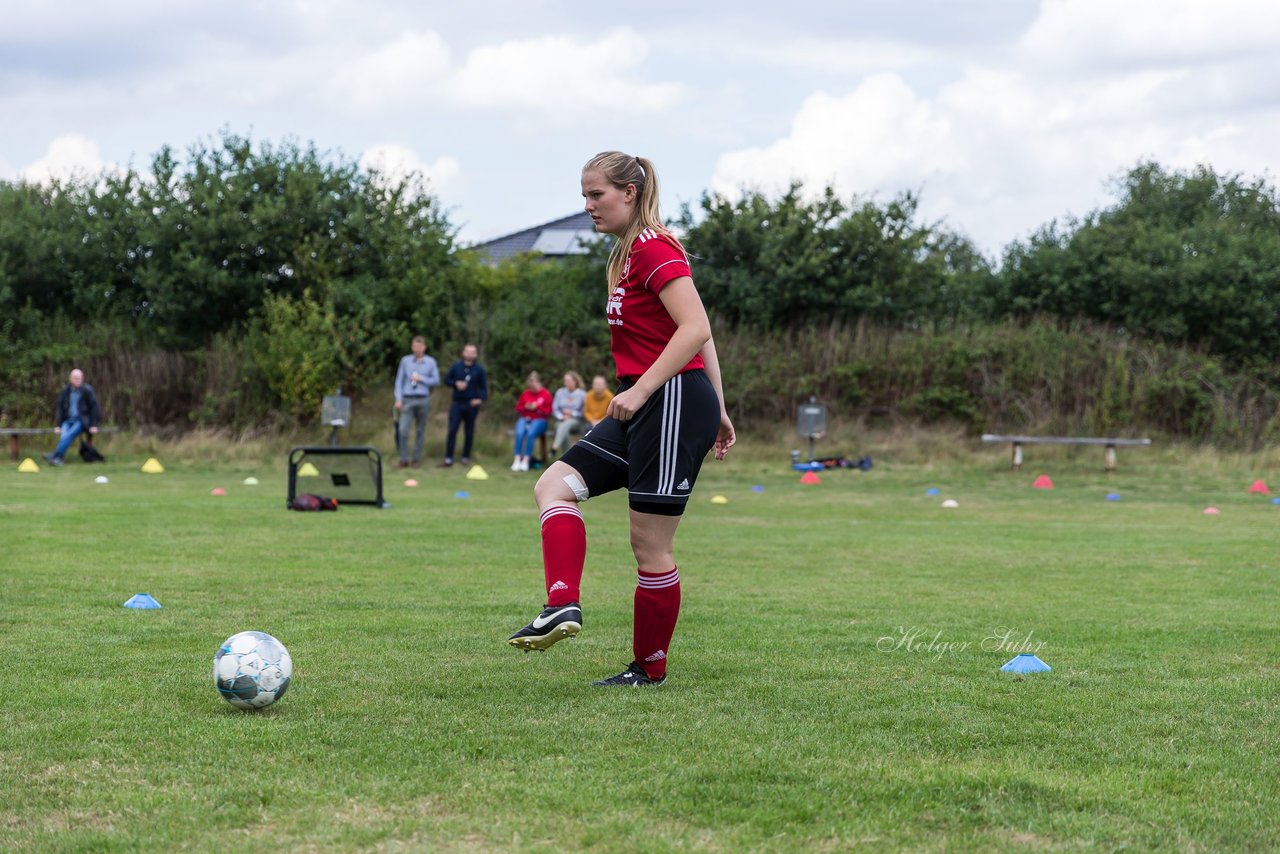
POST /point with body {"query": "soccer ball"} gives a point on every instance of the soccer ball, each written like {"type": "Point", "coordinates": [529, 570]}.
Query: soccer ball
{"type": "Point", "coordinates": [251, 670]}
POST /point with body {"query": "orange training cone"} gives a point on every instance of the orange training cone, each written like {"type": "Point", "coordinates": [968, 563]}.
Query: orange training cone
{"type": "Point", "coordinates": [1042, 482]}
{"type": "Point", "coordinates": [1259, 488]}
{"type": "Point", "coordinates": [810, 477]}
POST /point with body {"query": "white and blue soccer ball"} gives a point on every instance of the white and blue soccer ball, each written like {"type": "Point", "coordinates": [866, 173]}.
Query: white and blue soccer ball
{"type": "Point", "coordinates": [252, 670]}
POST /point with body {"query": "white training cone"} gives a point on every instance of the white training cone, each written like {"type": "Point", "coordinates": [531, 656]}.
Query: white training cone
{"type": "Point", "coordinates": [102, 478]}
{"type": "Point", "coordinates": [950, 503]}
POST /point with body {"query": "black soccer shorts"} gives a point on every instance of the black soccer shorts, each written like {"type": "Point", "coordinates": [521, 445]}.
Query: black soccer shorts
{"type": "Point", "coordinates": [658, 453]}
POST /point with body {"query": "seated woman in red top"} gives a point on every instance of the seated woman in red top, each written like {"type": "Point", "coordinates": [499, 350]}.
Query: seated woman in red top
{"type": "Point", "coordinates": [668, 414]}
{"type": "Point", "coordinates": [533, 409]}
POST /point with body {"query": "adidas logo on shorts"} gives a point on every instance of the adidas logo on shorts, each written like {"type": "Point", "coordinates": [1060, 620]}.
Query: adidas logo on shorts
{"type": "Point", "coordinates": [684, 484]}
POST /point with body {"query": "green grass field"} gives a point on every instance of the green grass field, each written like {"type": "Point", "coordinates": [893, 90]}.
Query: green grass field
{"type": "Point", "coordinates": [834, 680]}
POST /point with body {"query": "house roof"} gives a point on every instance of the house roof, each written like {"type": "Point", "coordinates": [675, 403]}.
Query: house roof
{"type": "Point", "coordinates": [557, 238]}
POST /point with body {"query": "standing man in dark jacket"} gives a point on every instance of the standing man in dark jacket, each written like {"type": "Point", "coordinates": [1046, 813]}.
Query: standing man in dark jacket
{"type": "Point", "coordinates": [470, 390]}
{"type": "Point", "coordinates": [77, 411]}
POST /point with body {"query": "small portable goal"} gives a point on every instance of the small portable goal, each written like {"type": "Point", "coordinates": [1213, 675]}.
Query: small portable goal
{"type": "Point", "coordinates": [352, 475]}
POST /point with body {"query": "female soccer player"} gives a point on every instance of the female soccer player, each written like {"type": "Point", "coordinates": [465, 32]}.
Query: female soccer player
{"type": "Point", "coordinates": [668, 413]}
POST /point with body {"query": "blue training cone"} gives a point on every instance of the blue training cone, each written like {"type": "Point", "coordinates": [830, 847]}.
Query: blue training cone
{"type": "Point", "coordinates": [1025, 662]}
{"type": "Point", "coordinates": [461, 494]}
{"type": "Point", "coordinates": [1275, 501]}
{"type": "Point", "coordinates": [933, 490]}
{"type": "Point", "coordinates": [1113, 496]}
{"type": "Point", "coordinates": [757, 488]}
{"type": "Point", "coordinates": [142, 600]}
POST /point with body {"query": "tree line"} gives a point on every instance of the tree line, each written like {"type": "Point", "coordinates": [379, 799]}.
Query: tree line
{"type": "Point", "coordinates": [238, 282]}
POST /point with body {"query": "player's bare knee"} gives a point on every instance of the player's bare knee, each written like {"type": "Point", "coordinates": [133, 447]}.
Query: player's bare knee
{"type": "Point", "coordinates": [557, 484]}
{"type": "Point", "coordinates": [649, 549]}
{"type": "Point", "coordinates": [546, 490]}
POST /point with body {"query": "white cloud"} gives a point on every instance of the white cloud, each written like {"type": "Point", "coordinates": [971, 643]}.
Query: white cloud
{"type": "Point", "coordinates": [562, 75]}
{"type": "Point", "coordinates": [397, 162]}
{"type": "Point", "coordinates": [1005, 148]}
{"type": "Point", "coordinates": [69, 156]}
{"type": "Point", "coordinates": [1095, 34]}
{"type": "Point", "coordinates": [881, 133]}
{"type": "Point", "coordinates": [839, 56]}
{"type": "Point", "coordinates": [343, 66]}
{"type": "Point", "coordinates": [555, 76]}
{"type": "Point", "coordinates": [411, 68]}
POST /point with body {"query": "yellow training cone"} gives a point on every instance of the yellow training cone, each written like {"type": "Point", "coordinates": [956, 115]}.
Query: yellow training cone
{"type": "Point", "coordinates": [477, 473]}
{"type": "Point", "coordinates": [152, 466]}
{"type": "Point", "coordinates": [719, 499]}
{"type": "Point", "coordinates": [29, 466]}
{"type": "Point", "coordinates": [308, 470]}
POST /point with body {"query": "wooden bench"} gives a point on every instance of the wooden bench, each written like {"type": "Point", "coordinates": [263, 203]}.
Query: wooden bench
{"type": "Point", "coordinates": [1109, 444]}
{"type": "Point", "coordinates": [15, 433]}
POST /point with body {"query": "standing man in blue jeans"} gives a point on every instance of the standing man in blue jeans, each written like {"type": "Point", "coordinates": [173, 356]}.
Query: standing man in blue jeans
{"type": "Point", "coordinates": [417, 375]}
{"type": "Point", "coordinates": [77, 411]}
{"type": "Point", "coordinates": [470, 391]}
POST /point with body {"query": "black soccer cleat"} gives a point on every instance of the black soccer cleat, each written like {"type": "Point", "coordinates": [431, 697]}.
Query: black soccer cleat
{"type": "Point", "coordinates": [553, 624]}
{"type": "Point", "coordinates": [633, 677]}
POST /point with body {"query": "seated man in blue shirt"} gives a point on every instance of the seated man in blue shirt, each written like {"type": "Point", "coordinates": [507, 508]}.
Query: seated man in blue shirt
{"type": "Point", "coordinates": [77, 412]}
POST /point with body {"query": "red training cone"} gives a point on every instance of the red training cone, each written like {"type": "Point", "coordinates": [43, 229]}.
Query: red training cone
{"type": "Point", "coordinates": [810, 477]}
{"type": "Point", "coordinates": [1259, 488]}
{"type": "Point", "coordinates": [1042, 482]}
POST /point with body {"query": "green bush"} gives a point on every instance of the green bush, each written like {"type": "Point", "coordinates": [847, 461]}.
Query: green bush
{"type": "Point", "coordinates": [306, 350]}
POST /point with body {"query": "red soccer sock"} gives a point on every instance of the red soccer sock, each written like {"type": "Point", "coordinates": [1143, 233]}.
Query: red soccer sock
{"type": "Point", "coordinates": [657, 605]}
{"type": "Point", "coordinates": [564, 550]}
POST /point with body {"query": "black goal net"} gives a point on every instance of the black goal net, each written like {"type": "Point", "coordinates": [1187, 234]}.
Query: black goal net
{"type": "Point", "coordinates": [351, 475]}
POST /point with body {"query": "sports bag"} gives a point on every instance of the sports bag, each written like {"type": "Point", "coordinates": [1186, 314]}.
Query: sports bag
{"type": "Point", "coordinates": [307, 501]}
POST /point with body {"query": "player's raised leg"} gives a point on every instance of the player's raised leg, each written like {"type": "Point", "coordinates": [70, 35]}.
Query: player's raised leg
{"type": "Point", "coordinates": [564, 551]}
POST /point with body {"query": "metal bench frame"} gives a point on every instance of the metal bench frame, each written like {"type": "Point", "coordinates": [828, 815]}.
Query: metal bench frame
{"type": "Point", "coordinates": [1109, 444]}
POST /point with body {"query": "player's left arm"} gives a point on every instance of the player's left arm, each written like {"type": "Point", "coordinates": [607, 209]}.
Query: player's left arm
{"type": "Point", "coordinates": [693, 331]}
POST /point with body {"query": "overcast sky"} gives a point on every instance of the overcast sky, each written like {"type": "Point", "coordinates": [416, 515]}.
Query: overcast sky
{"type": "Point", "coordinates": [1003, 114]}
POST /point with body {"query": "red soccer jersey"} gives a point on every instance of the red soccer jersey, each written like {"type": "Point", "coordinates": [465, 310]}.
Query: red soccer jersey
{"type": "Point", "coordinates": [639, 325]}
